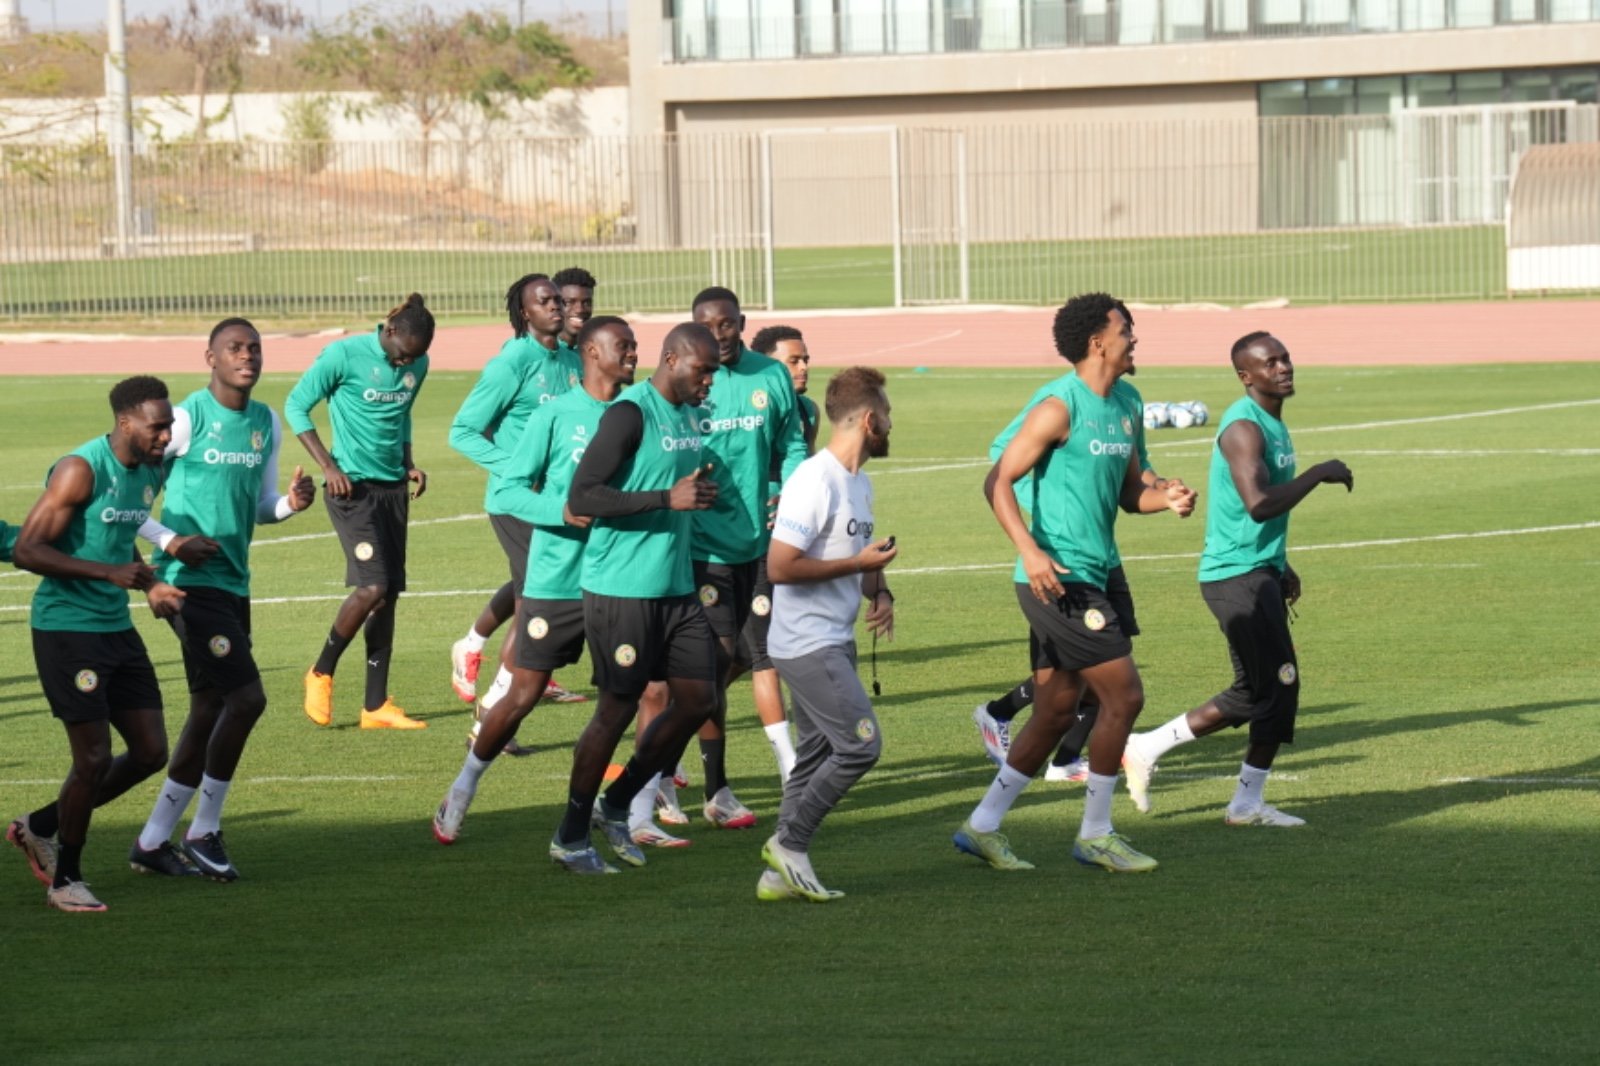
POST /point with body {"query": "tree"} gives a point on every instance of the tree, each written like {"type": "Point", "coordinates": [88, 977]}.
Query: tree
{"type": "Point", "coordinates": [215, 36]}
{"type": "Point", "coordinates": [435, 69]}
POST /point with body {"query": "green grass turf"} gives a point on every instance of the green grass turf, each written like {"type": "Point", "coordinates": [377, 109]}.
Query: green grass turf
{"type": "Point", "coordinates": [1305, 267]}
{"type": "Point", "coordinates": [1419, 917]}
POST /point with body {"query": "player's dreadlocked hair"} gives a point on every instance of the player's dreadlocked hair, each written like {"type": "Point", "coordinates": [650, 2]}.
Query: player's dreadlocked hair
{"type": "Point", "coordinates": [130, 394]}
{"type": "Point", "coordinates": [1081, 318]}
{"type": "Point", "coordinates": [574, 276]}
{"type": "Point", "coordinates": [766, 341]}
{"type": "Point", "coordinates": [1244, 343]}
{"type": "Point", "coordinates": [228, 323]}
{"type": "Point", "coordinates": [715, 293]}
{"type": "Point", "coordinates": [412, 319]}
{"type": "Point", "coordinates": [593, 326]}
{"type": "Point", "coordinates": [519, 321]}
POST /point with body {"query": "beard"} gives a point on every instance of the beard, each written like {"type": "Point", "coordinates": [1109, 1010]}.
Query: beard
{"type": "Point", "coordinates": [877, 447]}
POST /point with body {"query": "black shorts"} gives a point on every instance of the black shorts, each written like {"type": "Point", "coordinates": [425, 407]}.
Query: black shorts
{"type": "Point", "coordinates": [371, 523]}
{"type": "Point", "coordinates": [725, 592]}
{"type": "Point", "coordinates": [214, 629]}
{"type": "Point", "coordinates": [550, 634]}
{"type": "Point", "coordinates": [633, 642]}
{"type": "Point", "coordinates": [1079, 630]}
{"type": "Point", "coordinates": [94, 677]}
{"type": "Point", "coordinates": [753, 637]}
{"type": "Point", "coordinates": [1121, 598]}
{"type": "Point", "coordinates": [516, 538]}
{"type": "Point", "coordinates": [1251, 612]}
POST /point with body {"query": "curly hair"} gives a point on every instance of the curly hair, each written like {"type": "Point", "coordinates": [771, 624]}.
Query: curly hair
{"type": "Point", "coordinates": [574, 276]}
{"type": "Point", "coordinates": [767, 340]}
{"type": "Point", "coordinates": [1079, 319]}
{"type": "Point", "coordinates": [132, 393]}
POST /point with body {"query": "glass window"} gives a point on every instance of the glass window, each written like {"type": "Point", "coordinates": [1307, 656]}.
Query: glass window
{"type": "Point", "coordinates": [1480, 87]}
{"type": "Point", "coordinates": [1573, 10]}
{"type": "Point", "coordinates": [861, 26]}
{"type": "Point", "coordinates": [1328, 12]}
{"type": "Point", "coordinates": [1473, 13]}
{"type": "Point", "coordinates": [911, 27]}
{"type": "Point", "coordinates": [816, 28]}
{"type": "Point", "coordinates": [1185, 20]}
{"type": "Point", "coordinates": [1379, 96]}
{"type": "Point", "coordinates": [1282, 98]}
{"type": "Point", "coordinates": [1230, 16]}
{"type": "Point", "coordinates": [1378, 16]}
{"type": "Point", "coordinates": [1422, 14]}
{"type": "Point", "coordinates": [1429, 90]}
{"type": "Point", "coordinates": [1580, 85]}
{"type": "Point", "coordinates": [1330, 96]}
{"type": "Point", "coordinates": [1277, 14]}
{"type": "Point", "coordinates": [1528, 87]}
{"type": "Point", "coordinates": [1136, 21]}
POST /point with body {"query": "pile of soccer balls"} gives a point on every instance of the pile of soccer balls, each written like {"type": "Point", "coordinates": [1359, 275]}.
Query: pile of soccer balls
{"type": "Point", "coordinates": [1177, 415]}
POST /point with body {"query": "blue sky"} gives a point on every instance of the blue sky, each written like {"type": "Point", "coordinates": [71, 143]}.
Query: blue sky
{"type": "Point", "coordinates": [75, 14]}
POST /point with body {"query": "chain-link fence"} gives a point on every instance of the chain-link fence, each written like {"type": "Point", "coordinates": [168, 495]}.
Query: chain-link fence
{"type": "Point", "coordinates": [1388, 207]}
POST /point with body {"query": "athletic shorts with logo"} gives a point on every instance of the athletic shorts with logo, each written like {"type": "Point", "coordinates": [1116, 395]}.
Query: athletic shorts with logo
{"type": "Point", "coordinates": [213, 628]}
{"type": "Point", "coordinates": [371, 523]}
{"type": "Point", "coordinates": [1121, 597]}
{"type": "Point", "coordinates": [1078, 630]}
{"type": "Point", "coordinates": [516, 538]}
{"type": "Point", "coordinates": [725, 591]}
{"type": "Point", "coordinates": [1252, 614]}
{"type": "Point", "coordinates": [633, 642]}
{"type": "Point", "coordinates": [95, 677]}
{"type": "Point", "coordinates": [550, 634]}
{"type": "Point", "coordinates": [753, 637]}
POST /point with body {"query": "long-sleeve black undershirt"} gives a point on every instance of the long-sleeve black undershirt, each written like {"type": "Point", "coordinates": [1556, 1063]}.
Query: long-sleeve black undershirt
{"type": "Point", "coordinates": [616, 439]}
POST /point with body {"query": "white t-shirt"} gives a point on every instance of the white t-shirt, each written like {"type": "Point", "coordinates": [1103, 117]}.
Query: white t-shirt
{"type": "Point", "coordinates": [826, 512]}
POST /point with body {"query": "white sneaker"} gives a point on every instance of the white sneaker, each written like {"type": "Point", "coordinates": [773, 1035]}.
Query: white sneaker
{"type": "Point", "coordinates": [726, 812]}
{"type": "Point", "coordinates": [650, 835]}
{"type": "Point", "coordinates": [773, 889]}
{"type": "Point", "coordinates": [996, 735]}
{"type": "Point", "coordinates": [1138, 771]}
{"type": "Point", "coordinates": [1266, 814]}
{"type": "Point", "coordinates": [464, 666]}
{"type": "Point", "coordinates": [448, 818]}
{"type": "Point", "coordinates": [667, 808]}
{"type": "Point", "coordinates": [1076, 770]}
{"type": "Point", "coordinates": [794, 867]}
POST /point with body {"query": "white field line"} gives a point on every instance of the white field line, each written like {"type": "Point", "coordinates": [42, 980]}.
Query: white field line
{"type": "Point", "coordinates": [319, 536]}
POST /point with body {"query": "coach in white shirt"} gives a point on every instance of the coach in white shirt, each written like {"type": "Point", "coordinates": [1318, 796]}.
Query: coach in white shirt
{"type": "Point", "coordinates": [823, 561]}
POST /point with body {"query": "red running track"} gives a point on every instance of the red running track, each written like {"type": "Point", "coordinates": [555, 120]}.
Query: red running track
{"type": "Point", "coordinates": [1350, 335]}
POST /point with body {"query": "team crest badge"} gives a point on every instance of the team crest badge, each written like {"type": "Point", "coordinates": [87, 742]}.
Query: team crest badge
{"type": "Point", "coordinates": [1287, 674]}
{"type": "Point", "coordinates": [1094, 619]}
{"type": "Point", "coordinates": [708, 595]}
{"type": "Point", "coordinates": [758, 399]}
{"type": "Point", "coordinates": [257, 441]}
{"type": "Point", "coordinates": [572, 381]}
{"type": "Point", "coordinates": [1127, 426]}
{"type": "Point", "coordinates": [149, 495]}
{"type": "Point", "coordinates": [866, 729]}
{"type": "Point", "coordinates": [625, 655]}
{"type": "Point", "coordinates": [363, 551]}
{"type": "Point", "coordinates": [410, 380]}
{"type": "Point", "coordinates": [538, 628]}
{"type": "Point", "coordinates": [220, 646]}
{"type": "Point", "coordinates": [87, 680]}
{"type": "Point", "coordinates": [761, 605]}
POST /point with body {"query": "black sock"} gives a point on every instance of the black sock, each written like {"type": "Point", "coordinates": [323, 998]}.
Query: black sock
{"type": "Point", "coordinates": [67, 857]}
{"type": "Point", "coordinates": [1008, 706]}
{"type": "Point", "coordinates": [712, 764]}
{"type": "Point", "coordinates": [380, 642]}
{"type": "Point", "coordinates": [328, 661]}
{"type": "Point", "coordinates": [631, 782]}
{"type": "Point", "coordinates": [574, 828]}
{"type": "Point", "coordinates": [45, 822]}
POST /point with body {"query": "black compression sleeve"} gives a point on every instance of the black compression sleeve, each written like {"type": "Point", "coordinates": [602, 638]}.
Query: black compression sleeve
{"type": "Point", "coordinates": [617, 438]}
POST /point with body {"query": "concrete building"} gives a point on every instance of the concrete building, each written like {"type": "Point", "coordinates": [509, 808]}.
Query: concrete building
{"type": "Point", "coordinates": [13, 27]}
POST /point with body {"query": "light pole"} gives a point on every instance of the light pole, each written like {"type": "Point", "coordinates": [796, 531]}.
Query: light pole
{"type": "Point", "coordinates": [120, 135]}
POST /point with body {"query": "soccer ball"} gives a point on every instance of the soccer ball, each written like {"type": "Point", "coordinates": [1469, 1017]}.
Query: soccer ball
{"type": "Point", "coordinates": [1156, 416]}
{"type": "Point", "coordinates": [1181, 415]}
{"type": "Point", "coordinates": [1202, 413]}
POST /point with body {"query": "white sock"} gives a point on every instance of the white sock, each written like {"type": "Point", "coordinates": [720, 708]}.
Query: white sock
{"type": "Point", "coordinates": [502, 685]}
{"type": "Point", "coordinates": [473, 640]}
{"type": "Point", "coordinates": [1003, 792]}
{"type": "Point", "coordinates": [642, 811]}
{"type": "Point", "coordinates": [208, 810]}
{"type": "Point", "coordinates": [165, 814]}
{"type": "Point", "coordinates": [1252, 782]}
{"type": "Point", "coordinates": [471, 771]}
{"type": "Point", "coordinates": [1162, 739]}
{"type": "Point", "coordinates": [782, 747]}
{"type": "Point", "coordinates": [1098, 790]}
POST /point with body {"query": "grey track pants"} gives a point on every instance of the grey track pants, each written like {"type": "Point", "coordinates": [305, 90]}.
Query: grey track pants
{"type": "Point", "coordinates": [838, 738]}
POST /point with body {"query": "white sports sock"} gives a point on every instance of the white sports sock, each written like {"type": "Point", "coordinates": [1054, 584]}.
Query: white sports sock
{"type": "Point", "coordinates": [641, 812]}
{"type": "Point", "coordinates": [1252, 783]}
{"type": "Point", "coordinates": [782, 748]}
{"type": "Point", "coordinates": [473, 640]}
{"type": "Point", "coordinates": [165, 814]}
{"type": "Point", "coordinates": [502, 685]}
{"type": "Point", "coordinates": [1162, 739]}
{"type": "Point", "coordinates": [471, 771]}
{"type": "Point", "coordinates": [1098, 790]}
{"type": "Point", "coordinates": [1003, 792]}
{"type": "Point", "coordinates": [208, 811]}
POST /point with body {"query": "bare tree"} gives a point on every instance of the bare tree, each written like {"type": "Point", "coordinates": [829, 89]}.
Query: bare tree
{"type": "Point", "coordinates": [216, 35]}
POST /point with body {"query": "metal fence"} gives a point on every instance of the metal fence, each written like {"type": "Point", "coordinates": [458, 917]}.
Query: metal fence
{"type": "Point", "coordinates": [1389, 207]}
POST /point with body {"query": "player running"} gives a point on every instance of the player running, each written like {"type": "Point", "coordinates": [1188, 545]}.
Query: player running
{"type": "Point", "coordinates": [531, 369]}
{"type": "Point", "coordinates": [222, 478]}
{"type": "Point", "coordinates": [96, 674]}
{"type": "Point", "coordinates": [1079, 445]}
{"type": "Point", "coordinates": [550, 616]}
{"type": "Point", "coordinates": [1246, 581]}
{"type": "Point", "coordinates": [370, 383]}
{"type": "Point", "coordinates": [824, 562]}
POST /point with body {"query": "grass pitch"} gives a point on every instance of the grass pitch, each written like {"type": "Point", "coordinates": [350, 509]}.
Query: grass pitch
{"type": "Point", "coordinates": [1438, 907]}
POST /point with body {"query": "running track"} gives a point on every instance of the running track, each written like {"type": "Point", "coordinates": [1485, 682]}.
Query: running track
{"type": "Point", "coordinates": [1351, 335]}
